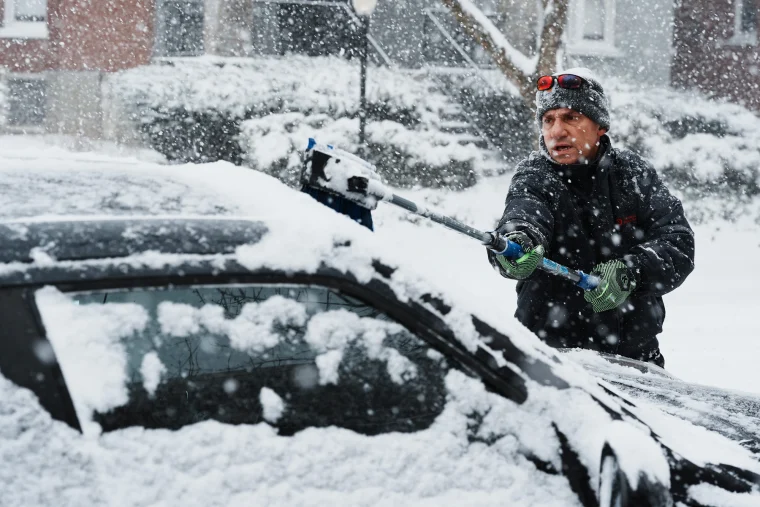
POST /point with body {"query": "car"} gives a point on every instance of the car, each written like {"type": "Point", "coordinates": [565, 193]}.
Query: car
{"type": "Point", "coordinates": [733, 414]}
{"type": "Point", "coordinates": [155, 354]}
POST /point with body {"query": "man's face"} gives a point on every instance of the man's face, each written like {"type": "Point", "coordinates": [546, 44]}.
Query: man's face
{"type": "Point", "coordinates": [570, 137]}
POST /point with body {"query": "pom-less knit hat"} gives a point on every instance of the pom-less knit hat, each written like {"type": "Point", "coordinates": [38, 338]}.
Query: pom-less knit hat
{"type": "Point", "coordinates": [588, 100]}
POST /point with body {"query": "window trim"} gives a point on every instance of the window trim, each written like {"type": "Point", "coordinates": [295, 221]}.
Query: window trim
{"type": "Point", "coordinates": [14, 29]}
{"type": "Point", "coordinates": [19, 309]}
{"type": "Point", "coordinates": [578, 45]}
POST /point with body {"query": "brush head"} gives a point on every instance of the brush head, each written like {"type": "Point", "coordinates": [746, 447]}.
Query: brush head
{"type": "Point", "coordinates": [338, 172]}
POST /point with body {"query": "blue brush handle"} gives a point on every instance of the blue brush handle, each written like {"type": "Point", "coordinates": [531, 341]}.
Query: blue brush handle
{"type": "Point", "coordinates": [512, 250]}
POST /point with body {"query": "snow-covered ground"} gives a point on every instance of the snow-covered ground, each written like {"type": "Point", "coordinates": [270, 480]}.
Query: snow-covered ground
{"type": "Point", "coordinates": [711, 332]}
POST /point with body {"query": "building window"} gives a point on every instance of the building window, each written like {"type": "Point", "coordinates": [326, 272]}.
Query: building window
{"type": "Point", "coordinates": [746, 16]}
{"type": "Point", "coordinates": [745, 24]}
{"type": "Point", "coordinates": [29, 10]}
{"type": "Point", "coordinates": [593, 20]}
{"type": "Point", "coordinates": [305, 27]}
{"type": "Point", "coordinates": [26, 102]}
{"type": "Point", "coordinates": [592, 27]}
{"type": "Point", "coordinates": [179, 28]}
{"type": "Point", "coordinates": [24, 19]}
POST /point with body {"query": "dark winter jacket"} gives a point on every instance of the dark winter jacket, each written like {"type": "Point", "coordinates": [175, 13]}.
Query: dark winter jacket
{"type": "Point", "coordinates": [585, 214]}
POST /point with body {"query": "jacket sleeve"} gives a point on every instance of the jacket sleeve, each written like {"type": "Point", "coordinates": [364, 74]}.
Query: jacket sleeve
{"type": "Point", "coordinates": [666, 256]}
{"type": "Point", "coordinates": [527, 209]}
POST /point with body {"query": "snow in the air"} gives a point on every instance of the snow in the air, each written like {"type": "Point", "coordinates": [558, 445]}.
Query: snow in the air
{"type": "Point", "coordinates": [122, 121]}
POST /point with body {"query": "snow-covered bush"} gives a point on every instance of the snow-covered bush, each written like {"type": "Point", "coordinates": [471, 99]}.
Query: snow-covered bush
{"type": "Point", "coordinates": [698, 145]}
{"type": "Point", "coordinates": [405, 156]}
{"type": "Point", "coordinates": [263, 110]}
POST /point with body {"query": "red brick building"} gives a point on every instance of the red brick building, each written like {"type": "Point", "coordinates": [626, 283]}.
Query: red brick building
{"type": "Point", "coordinates": [716, 49]}
{"type": "Point", "coordinates": [54, 54]}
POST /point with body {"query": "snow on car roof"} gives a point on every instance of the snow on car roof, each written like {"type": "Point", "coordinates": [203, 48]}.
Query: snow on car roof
{"type": "Point", "coordinates": [48, 187]}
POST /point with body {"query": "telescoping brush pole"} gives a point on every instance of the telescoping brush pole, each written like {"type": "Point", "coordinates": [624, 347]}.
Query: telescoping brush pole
{"type": "Point", "coordinates": [334, 170]}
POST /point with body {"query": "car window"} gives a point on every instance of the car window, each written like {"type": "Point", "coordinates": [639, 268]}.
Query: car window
{"type": "Point", "coordinates": [291, 355]}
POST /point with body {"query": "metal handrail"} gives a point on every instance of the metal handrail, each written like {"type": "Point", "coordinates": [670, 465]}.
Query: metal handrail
{"type": "Point", "coordinates": [430, 13]}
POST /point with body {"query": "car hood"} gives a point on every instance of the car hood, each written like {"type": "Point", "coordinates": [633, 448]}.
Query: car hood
{"type": "Point", "coordinates": [733, 414]}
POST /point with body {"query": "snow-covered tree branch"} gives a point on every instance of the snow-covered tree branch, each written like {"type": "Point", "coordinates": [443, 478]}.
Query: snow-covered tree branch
{"type": "Point", "coordinates": [519, 68]}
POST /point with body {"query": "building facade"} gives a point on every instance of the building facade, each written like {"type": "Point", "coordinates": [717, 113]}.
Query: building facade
{"type": "Point", "coordinates": [54, 53]}
{"type": "Point", "coordinates": [716, 49]}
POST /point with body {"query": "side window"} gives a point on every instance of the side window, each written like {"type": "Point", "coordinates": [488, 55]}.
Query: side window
{"type": "Point", "coordinates": [179, 30]}
{"type": "Point", "coordinates": [293, 356]}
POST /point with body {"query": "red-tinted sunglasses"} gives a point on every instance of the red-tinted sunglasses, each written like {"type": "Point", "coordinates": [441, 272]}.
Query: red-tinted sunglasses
{"type": "Point", "coordinates": [567, 81]}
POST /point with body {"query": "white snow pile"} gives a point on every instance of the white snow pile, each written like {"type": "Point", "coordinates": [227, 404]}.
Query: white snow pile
{"type": "Point", "coordinates": [251, 330]}
{"type": "Point", "coordinates": [280, 102]}
{"type": "Point", "coordinates": [212, 464]}
{"type": "Point", "coordinates": [331, 333]}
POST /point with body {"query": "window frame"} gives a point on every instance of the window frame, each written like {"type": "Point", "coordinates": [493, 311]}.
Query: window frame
{"type": "Point", "coordinates": [578, 45]}
{"type": "Point", "coordinates": [15, 29]}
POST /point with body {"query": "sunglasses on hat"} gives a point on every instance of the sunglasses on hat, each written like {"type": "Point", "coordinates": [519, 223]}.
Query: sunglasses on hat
{"type": "Point", "coordinates": [567, 81]}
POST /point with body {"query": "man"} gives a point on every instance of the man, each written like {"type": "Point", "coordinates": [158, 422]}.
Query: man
{"type": "Point", "coordinates": [582, 203]}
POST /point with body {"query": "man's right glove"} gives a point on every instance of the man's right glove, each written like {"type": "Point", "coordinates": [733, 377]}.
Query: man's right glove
{"type": "Point", "coordinates": [616, 284]}
{"type": "Point", "coordinates": [522, 267]}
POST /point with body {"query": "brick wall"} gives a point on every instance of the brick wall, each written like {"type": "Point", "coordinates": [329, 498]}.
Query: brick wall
{"type": "Point", "coordinates": [106, 35]}
{"type": "Point", "coordinates": [709, 58]}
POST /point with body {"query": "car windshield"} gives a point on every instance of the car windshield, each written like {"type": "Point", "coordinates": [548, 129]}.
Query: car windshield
{"type": "Point", "coordinates": [292, 355]}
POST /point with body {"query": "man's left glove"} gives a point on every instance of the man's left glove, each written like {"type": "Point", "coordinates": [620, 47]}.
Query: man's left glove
{"type": "Point", "coordinates": [616, 284]}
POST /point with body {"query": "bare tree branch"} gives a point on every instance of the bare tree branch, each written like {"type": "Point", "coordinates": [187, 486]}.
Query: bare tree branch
{"type": "Point", "coordinates": [486, 34]}
{"type": "Point", "coordinates": [554, 21]}
{"type": "Point", "coordinates": [521, 70]}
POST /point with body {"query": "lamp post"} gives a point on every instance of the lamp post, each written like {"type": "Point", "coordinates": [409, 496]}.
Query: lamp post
{"type": "Point", "coordinates": [364, 8]}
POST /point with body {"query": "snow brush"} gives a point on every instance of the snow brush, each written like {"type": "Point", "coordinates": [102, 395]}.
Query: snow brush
{"type": "Point", "coordinates": [342, 173]}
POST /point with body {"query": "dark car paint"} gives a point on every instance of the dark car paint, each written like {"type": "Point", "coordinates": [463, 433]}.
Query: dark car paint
{"type": "Point", "coordinates": [733, 414]}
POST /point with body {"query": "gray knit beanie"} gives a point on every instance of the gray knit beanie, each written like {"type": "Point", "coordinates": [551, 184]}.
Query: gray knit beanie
{"type": "Point", "coordinates": [588, 100]}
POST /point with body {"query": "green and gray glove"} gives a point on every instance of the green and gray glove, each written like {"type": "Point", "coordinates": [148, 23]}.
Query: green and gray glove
{"type": "Point", "coordinates": [522, 267]}
{"type": "Point", "coordinates": [616, 284]}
